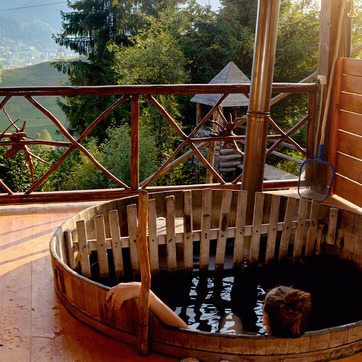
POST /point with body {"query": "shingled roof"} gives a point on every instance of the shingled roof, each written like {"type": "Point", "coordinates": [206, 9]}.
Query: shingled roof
{"type": "Point", "coordinates": [230, 74]}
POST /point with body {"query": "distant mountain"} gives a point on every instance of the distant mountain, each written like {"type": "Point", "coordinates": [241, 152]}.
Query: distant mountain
{"type": "Point", "coordinates": [26, 32]}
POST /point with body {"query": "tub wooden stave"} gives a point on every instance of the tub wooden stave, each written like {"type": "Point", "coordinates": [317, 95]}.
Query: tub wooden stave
{"type": "Point", "coordinates": [86, 299]}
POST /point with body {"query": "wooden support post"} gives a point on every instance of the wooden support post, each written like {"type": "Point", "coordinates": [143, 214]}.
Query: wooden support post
{"type": "Point", "coordinates": [311, 125]}
{"type": "Point", "coordinates": [259, 101]}
{"type": "Point", "coordinates": [198, 120]}
{"type": "Point", "coordinates": [349, 25]}
{"type": "Point", "coordinates": [143, 310]}
{"type": "Point", "coordinates": [135, 146]}
{"type": "Point", "coordinates": [328, 33]}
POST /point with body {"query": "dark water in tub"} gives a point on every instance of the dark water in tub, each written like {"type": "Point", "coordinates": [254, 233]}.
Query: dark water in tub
{"type": "Point", "coordinates": [201, 300]}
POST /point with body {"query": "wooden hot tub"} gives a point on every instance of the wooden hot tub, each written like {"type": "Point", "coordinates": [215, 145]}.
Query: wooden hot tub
{"type": "Point", "coordinates": [294, 229]}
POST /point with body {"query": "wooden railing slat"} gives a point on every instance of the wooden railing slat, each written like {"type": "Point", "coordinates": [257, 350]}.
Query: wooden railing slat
{"type": "Point", "coordinates": [113, 218]}
{"type": "Point", "coordinates": [300, 232]}
{"type": "Point", "coordinates": [256, 229]}
{"type": "Point", "coordinates": [320, 239]}
{"type": "Point", "coordinates": [300, 223]}
{"type": "Point", "coordinates": [312, 230]}
{"type": "Point", "coordinates": [205, 229]}
{"type": "Point", "coordinates": [223, 225]}
{"type": "Point", "coordinates": [238, 255]}
{"type": "Point", "coordinates": [332, 226]}
{"type": "Point", "coordinates": [101, 246]}
{"type": "Point", "coordinates": [171, 234]}
{"type": "Point", "coordinates": [152, 237]}
{"type": "Point", "coordinates": [287, 228]}
{"type": "Point", "coordinates": [273, 228]}
{"type": "Point", "coordinates": [151, 89]}
{"type": "Point", "coordinates": [70, 249]}
{"type": "Point", "coordinates": [132, 229]}
{"type": "Point", "coordinates": [133, 92]}
{"type": "Point", "coordinates": [196, 235]}
{"type": "Point", "coordinates": [188, 225]}
{"type": "Point", "coordinates": [83, 249]}
{"type": "Point", "coordinates": [62, 251]}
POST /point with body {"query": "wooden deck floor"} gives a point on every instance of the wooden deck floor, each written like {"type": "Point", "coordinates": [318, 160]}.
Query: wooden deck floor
{"type": "Point", "coordinates": [34, 324]}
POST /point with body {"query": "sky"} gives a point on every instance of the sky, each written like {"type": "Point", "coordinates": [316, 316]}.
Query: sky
{"type": "Point", "coordinates": [214, 3]}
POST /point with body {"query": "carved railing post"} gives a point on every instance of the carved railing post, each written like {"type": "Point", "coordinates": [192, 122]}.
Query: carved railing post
{"type": "Point", "coordinates": [135, 144]}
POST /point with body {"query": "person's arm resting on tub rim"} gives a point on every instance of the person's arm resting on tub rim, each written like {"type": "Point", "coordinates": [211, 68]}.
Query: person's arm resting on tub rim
{"type": "Point", "coordinates": [124, 291]}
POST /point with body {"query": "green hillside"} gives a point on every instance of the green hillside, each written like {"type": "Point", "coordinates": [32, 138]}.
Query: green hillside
{"type": "Point", "coordinates": [42, 74]}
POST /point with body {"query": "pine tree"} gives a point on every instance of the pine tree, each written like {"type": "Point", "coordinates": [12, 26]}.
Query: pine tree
{"type": "Point", "coordinates": [89, 30]}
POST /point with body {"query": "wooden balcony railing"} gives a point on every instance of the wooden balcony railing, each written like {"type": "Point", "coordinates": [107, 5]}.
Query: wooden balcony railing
{"type": "Point", "coordinates": [19, 140]}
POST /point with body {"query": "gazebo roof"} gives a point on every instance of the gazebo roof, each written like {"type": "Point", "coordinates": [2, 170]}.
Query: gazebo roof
{"type": "Point", "coordinates": [230, 74]}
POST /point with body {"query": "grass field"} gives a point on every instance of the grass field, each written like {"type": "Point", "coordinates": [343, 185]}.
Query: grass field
{"type": "Point", "coordinates": [42, 74]}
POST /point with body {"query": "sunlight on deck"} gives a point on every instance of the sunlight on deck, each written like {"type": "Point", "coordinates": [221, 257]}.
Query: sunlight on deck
{"type": "Point", "coordinates": [34, 324]}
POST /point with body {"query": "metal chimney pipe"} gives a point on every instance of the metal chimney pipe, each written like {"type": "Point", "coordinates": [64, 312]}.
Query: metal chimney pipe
{"type": "Point", "coordinates": [259, 101]}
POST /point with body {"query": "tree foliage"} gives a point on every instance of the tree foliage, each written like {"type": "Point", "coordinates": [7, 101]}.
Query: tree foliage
{"type": "Point", "coordinates": [153, 58]}
{"type": "Point", "coordinates": [78, 171]}
{"type": "Point", "coordinates": [237, 20]}
{"type": "Point", "coordinates": [196, 30]}
{"type": "Point", "coordinates": [297, 43]}
{"type": "Point", "coordinates": [15, 171]}
{"type": "Point", "coordinates": [92, 23]}
{"type": "Point", "coordinates": [93, 29]}
{"type": "Point", "coordinates": [113, 36]}
{"type": "Point", "coordinates": [161, 42]}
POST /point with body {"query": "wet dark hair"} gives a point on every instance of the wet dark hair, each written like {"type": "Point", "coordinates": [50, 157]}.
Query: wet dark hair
{"type": "Point", "coordinates": [288, 311]}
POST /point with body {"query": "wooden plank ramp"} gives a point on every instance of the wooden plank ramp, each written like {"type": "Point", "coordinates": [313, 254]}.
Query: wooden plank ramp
{"type": "Point", "coordinates": [35, 326]}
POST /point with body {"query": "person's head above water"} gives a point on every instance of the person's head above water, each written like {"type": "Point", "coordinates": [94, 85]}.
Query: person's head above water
{"type": "Point", "coordinates": [286, 311]}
